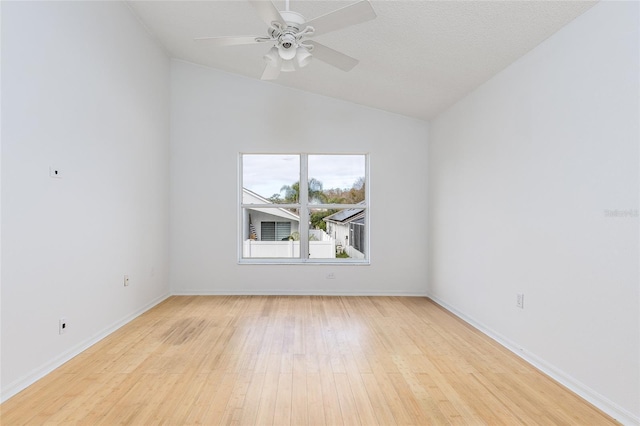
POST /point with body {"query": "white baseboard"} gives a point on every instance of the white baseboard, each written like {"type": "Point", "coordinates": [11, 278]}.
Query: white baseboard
{"type": "Point", "coordinates": [38, 373]}
{"type": "Point", "coordinates": [293, 293]}
{"type": "Point", "coordinates": [611, 408]}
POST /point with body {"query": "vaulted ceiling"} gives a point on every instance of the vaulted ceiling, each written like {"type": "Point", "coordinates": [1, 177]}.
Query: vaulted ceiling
{"type": "Point", "coordinates": [416, 57]}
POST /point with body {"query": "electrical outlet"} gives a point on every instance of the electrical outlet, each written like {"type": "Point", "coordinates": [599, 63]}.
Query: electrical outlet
{"type": "Point", "coordinates": [331, 276]}
{"type": "Point", "coordinates": [54, 172]}
{"type": "Point", "coordinates": [126, 280]}
{"type": "Point", "coordinates": [520, 300]}
{"type": "Point", "coordinates": [62, 325]}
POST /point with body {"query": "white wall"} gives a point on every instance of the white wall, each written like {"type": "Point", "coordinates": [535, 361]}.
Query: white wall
{"type": "Point", "coordinates": [86, 90]}
{"type": "Point", "coordinates": [217, 115]}
{"type": "Point", "coordinates": [521, 174]}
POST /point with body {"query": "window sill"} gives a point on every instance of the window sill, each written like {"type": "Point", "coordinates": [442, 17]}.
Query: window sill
{"type": "Point", "coordinates": [302, 262]}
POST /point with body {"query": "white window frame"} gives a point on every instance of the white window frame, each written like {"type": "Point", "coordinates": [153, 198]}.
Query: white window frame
{"type": "Point", "coordinates": [304, 209]}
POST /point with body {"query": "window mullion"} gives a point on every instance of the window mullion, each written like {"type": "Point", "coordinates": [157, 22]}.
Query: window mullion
{"type": "Point", "coordinates": [304, 207]}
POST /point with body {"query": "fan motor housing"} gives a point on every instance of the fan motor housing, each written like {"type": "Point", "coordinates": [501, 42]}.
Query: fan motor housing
{"type": "Point", "coordinates": [287, 40]}
{"type": "Point", "coordinates": [293, 19]}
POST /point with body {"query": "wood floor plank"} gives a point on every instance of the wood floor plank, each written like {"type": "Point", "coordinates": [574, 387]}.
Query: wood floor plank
{"type": "Point", "coordinates": [380, 407]}
{"type": "Point", "coordinates": [361, 399]}
{"type": "Point", "coordinates": [282, 414]}
{"type": "Point", "coordinates": [299, 403]}
{"type": "Point", "coordinates": [347, 402]}
{"type": "Point", "coordinates": [316, 360]}
{"type": "Point", "coordinates": [331, 404]}
{"type": "Point", "coordinates": [392, 398]}
{"type": "Point", "coordinates": [267, 405]}
{"type": "Point", "coordinates": [237, 398]}
{"type": "Point", "coordinates": [492, 407]}
{"type": "Point", "coordinates": [315, 407]}
{"type": "Point", "coordinates": [449, 402]}
{"type": "Point", "coordinates": [252, 399]}
{"type": "Point", "coordinates": [220, 399]}
{"type": "Point", "coordinates": [185, 404]}
{"type": "Point", "coordinates": [202, 402]}
{"type": "Point", "coordinates": [409, 400]}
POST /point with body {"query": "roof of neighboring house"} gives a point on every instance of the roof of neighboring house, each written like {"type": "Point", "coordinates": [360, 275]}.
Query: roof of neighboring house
{"type": "Point", "coordinates": [346, 215]}
{"type": "Point", "coordinates": [250, 197]}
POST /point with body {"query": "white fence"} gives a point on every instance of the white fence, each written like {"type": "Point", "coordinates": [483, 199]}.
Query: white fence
{"type": "Point", "coordinates": [322, 249]}
{"type": "Point", "coordinates": [283, 249]}
{"type": "Point", "coordinates": [353, 253]}
{"type": "Point", "coordinates": [319, 235]}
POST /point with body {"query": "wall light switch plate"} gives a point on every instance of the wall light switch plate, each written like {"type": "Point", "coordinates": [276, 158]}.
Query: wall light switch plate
{"type": "Point", "coordinates": [520, 300]}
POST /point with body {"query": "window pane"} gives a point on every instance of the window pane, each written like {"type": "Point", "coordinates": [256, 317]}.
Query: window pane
{"type": "Point", "coordinates": [270, 232]}
{"type": "Point", "coordinates": [343, 229]}
{"type": "Point", "coordinates": [270, 178]}
{"type": "Point", "coordinates": [336, 179]}
{"type": "Point", "coordinates": [283, 231]}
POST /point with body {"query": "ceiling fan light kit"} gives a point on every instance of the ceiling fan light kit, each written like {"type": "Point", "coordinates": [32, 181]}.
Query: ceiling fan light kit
{"type": "Point", "coordinates": [289, 32]}
{"type": "Point", "coordinates": [287, 66]}
{"type": "Point", "coordinates": [303, 57]}
{"type": "Point", "coordinates": [273, 57]}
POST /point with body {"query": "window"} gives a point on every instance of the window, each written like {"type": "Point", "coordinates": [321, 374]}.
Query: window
{"type": "Point", "coordinates": [275, 231]}
{"type": "Point", "coordinates": [356, 229]}
{"type": "Point", "coordinates": [333, 201]}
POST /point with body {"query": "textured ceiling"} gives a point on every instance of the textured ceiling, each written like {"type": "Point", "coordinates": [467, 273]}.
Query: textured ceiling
{"type": "Point", "coordinates": [416, 58]}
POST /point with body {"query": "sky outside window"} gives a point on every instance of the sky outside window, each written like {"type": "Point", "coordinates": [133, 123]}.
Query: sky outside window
{"type": "Point", "coordinates": [266, 174]}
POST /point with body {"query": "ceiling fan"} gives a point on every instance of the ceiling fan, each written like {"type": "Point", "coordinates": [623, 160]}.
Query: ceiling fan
{"type": "Point", "coordinates": [289, 33]}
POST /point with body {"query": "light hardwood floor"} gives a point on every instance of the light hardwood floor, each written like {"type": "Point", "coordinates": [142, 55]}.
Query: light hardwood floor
{"type": "Point", "coordinates": [266, 360]}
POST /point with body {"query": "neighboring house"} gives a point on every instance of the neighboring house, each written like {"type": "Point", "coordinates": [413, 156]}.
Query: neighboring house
{"type": "Point", "coordinates": [266, 232]}
{"type": "Point", "coordinates": [266, 224]}
{"type": "Point", "coordinates": [346, 227]}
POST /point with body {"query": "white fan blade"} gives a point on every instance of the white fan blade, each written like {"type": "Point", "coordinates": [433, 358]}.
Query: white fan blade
{"type": "Point", "coordinates": [267, 11]}
{"type": "Point", "coordinates": [332, 57]}
{"type": "Point", "coordinates": [341, 18]}
{"type": "Point", "coordinates": [270, 73]}
{"type": "Point", "coordinates": [232, 41]}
